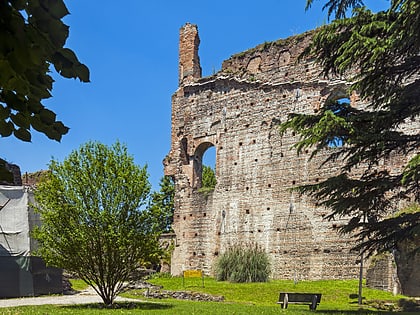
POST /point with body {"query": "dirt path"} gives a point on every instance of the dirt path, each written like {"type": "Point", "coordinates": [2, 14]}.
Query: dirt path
{"type": "Point", "coordinates": [84, 297]}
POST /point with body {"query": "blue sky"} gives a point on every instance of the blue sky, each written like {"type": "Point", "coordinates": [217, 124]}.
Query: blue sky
{"type": "Point", "coordinates": [131, 49]}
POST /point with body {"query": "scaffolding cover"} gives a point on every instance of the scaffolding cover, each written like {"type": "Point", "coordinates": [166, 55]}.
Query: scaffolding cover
{"type": "Point", "coordinates": [20, 273]}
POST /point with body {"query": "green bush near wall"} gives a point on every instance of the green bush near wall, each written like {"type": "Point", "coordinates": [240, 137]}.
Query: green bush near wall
{"type": "Point", "coordinates": [243, 263]}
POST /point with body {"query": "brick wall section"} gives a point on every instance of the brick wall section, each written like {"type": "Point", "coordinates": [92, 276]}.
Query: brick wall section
{"type": "Point", "coordinates": [237, 110]}
{"type": "Point", "coordinates": [382, 274]}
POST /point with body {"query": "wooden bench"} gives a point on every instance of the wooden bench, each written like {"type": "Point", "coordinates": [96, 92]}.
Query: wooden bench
{"type": "Point", "coordinates": [312, 299]}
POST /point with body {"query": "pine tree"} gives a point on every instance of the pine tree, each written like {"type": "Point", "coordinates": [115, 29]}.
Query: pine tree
{"type": "Point", "coordinates": [384, 48]}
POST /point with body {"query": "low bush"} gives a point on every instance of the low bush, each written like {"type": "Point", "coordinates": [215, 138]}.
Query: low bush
{"type": "Point", "coordinates": [243, 263]}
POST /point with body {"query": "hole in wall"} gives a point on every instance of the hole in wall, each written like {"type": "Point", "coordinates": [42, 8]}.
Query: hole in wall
{"type": "Point", "coordinates": [205, 166]}
{"type": "Point", "coordinates": [247, 211]}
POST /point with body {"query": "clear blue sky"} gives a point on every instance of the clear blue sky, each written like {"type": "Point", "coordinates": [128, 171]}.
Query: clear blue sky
{"type": "Point", "coordinates": [131, 49]}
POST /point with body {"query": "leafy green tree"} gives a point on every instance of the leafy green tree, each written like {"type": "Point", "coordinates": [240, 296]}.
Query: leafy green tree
{"type": "Point", "coordinates": [32, 38]}
{"type": "Point", "coordinates": [92, 219]}
{"type": "Point", "coordinates": [384, 48]}
{"type": "Point", "coordinates": [208, 177]}
{"type": "Point", "coordinates": [162, 204]}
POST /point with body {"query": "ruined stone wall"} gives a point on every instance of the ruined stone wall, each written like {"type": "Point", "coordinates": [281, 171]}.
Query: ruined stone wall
{"type": "Point", "coordinates": [237, 111]}
{"type": "Point", "coordinates": [15, 172]}
{"type": "Point", "coordinates": [382, 274]}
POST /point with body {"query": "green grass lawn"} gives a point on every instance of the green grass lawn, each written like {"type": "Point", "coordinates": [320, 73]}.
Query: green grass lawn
{"type": "Point", "coordinates": [338, 297]}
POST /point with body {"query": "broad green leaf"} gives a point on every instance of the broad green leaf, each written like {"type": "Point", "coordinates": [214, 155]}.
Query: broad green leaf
{"type": "Point", "coordinates": [4, 112]}
{"type": "Point", "coordinates": [60, 128]}
{"type": "Point", "coordinates": [37, 123]}
{"type": "Point", "coordinates": [57, 8]}
{"type": "Point", "coordinates": [22, 134]}
{"type": "Point", "coordinates": [82, 72]}
{"type": "Point", "coordinates": [6, 128]}
{"type": "Point", "coordinates": [34, 106]}
{"type": "Point", "coordinates": [21, 119]}
{"type": "Point", "coordinates": [47, 116]}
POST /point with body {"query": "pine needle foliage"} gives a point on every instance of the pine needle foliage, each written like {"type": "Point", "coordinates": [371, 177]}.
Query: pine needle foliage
{"type": "Point", "coordinates": [379, 54]}
{"type": "Point", "coordinates": [243, 263]}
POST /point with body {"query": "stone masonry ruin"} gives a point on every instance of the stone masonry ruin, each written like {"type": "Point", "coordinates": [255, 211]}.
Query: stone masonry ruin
{"type": "Point", "coordinates": [237, 111]}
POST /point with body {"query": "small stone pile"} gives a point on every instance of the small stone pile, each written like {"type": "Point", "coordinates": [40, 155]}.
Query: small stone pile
{"type": "Point", "coordinates": [183, 295]}
{"type": "Point", "coordinates": [156, 292]}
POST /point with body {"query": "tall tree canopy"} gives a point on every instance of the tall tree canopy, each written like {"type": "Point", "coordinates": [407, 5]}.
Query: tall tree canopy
{"type": "Point", "coordinates": [162, 204]}
{"type": "Point", "coordinates": [384, 49]}
{"type": "Point", "coordinates": [208, 177]}
{"type": "Point", "coordinates": [93, 222]}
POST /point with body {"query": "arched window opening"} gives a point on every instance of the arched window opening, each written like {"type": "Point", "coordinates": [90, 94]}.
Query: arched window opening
{"type": "Point", "coordinates": [339, 104]}
{"type": "Point", "coordinates": [205, 167]}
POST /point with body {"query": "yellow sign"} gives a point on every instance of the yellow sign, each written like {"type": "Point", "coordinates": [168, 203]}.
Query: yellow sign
{"type": "Point", "coordinates": [193, 273]}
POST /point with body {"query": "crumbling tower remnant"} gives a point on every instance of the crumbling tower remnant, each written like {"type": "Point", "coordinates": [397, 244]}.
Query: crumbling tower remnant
{"type": "Point", "coordinates": [189, 61]}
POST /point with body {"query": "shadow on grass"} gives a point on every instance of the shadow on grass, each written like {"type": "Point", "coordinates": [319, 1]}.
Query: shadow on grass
{"type": "Point", "coordinates": [122, 306]}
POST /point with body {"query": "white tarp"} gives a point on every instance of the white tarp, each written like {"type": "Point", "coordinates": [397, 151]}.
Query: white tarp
{"type": "Point", "coordinates": [22, 274]}
{"type": "Point", "coordinates": [14, 221]}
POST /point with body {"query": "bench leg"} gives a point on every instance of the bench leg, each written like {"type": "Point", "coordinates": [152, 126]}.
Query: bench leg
{"type": "Point", "coordinates": [313, 305]}
{"type": "Point", "coordinates": [285, 301]}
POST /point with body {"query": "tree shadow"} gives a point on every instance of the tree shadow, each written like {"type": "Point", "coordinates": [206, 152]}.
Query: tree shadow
{"type": "Point", "coordinates": [353, 312]}
{"type": "Point", "coordinates": [122, 306]}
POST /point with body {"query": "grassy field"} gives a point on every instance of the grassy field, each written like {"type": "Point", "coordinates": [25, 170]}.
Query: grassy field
{"type": "Point", "coordinates": [338, 297]}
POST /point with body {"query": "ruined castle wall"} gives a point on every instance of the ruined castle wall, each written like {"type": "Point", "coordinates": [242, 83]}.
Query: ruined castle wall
{"type": "Point", "coordinates": [238, 111]}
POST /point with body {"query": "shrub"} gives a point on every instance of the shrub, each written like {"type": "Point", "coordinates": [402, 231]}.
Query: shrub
{"type": "Point", "coordinates": [243, 263]}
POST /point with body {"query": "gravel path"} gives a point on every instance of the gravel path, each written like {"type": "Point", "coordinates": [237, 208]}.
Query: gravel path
{"type": "Point", "coordinates": [84, 297]}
